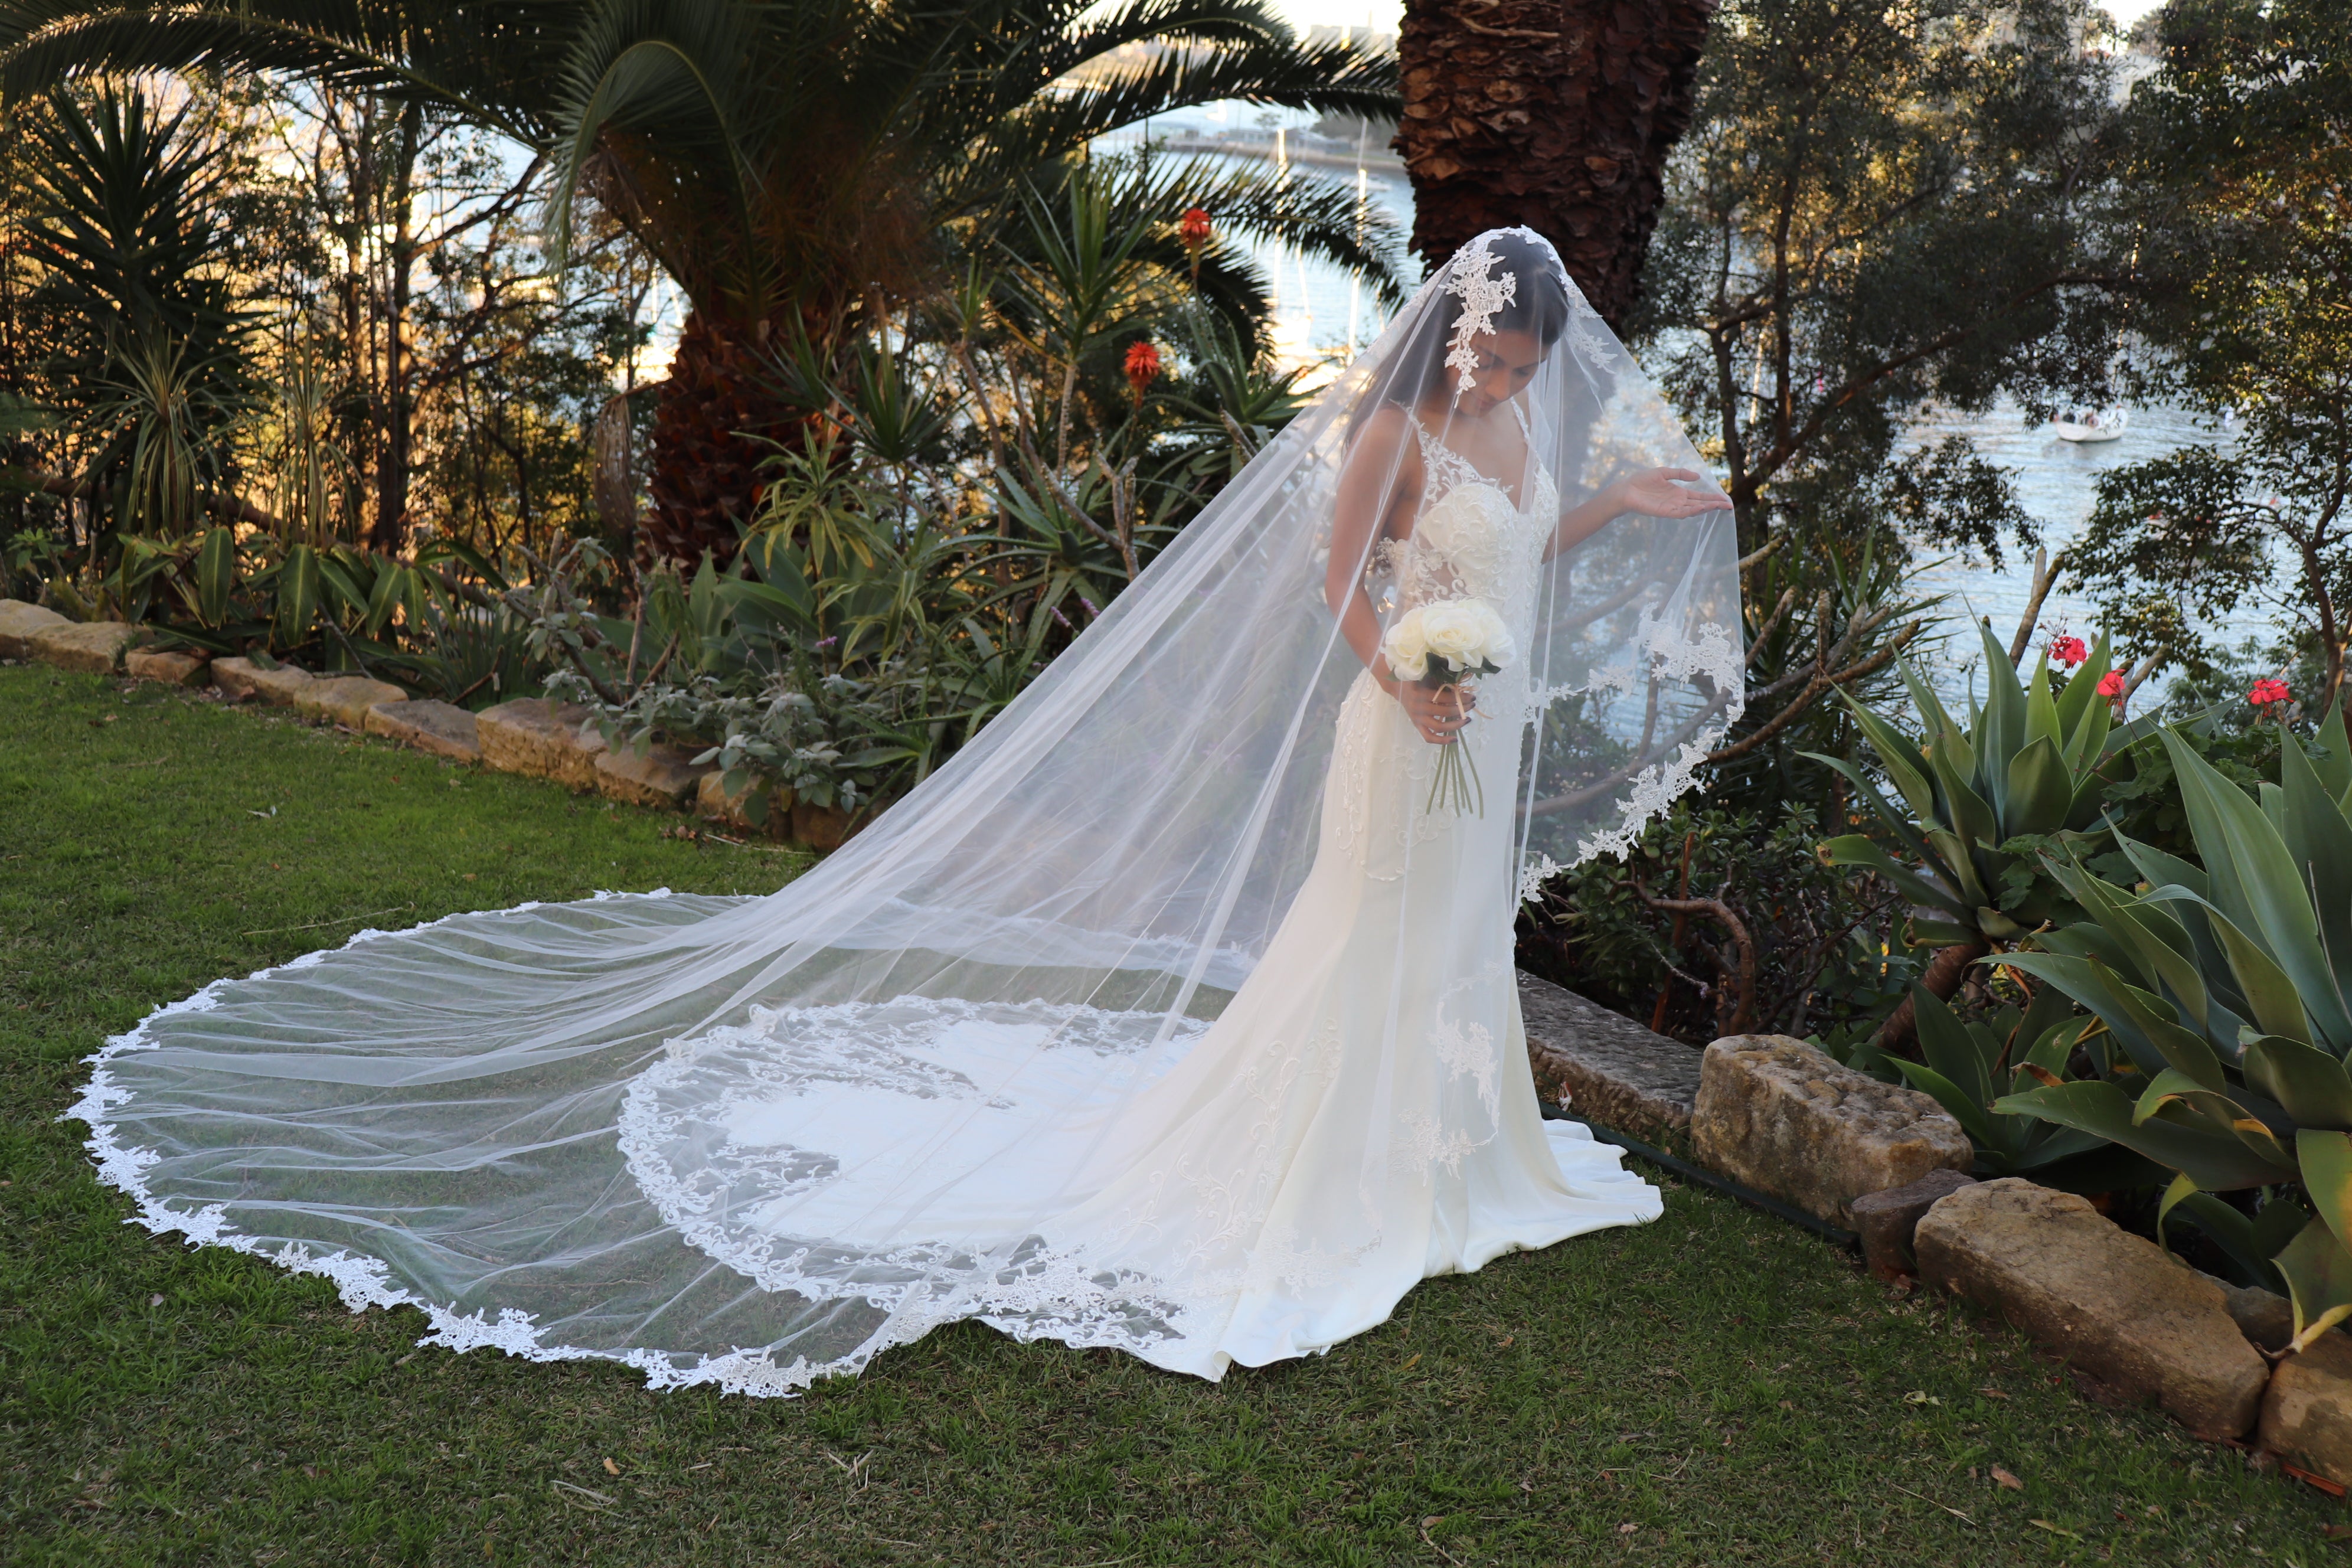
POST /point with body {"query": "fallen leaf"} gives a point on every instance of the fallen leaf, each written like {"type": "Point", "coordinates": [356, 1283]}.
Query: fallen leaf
{"type": "Point", "coordinates": [1993, 1392]}
{"type": "Point", "coordinates": [154, 1300]}
{"type": "Point", "coordinates": [1433, 1522]}
{"type": "Point", "coordinates": [611, 1469]}
{"type": "Point", "coordinates": [2336, 1532]}
{"type": "Point", "coordinates": [2054, 1529]}
{"type": "Point", "coordinates": [1917, 1396]}
{"type": "Point", "coordinates": [1409, 1361]}
{"type": "Point", "coordinates": [1627, 1529]}
{"type": "Point", "coordinates": [2006, 1480]}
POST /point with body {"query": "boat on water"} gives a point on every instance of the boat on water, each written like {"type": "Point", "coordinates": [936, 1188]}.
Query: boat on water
{"type": "Point", "coordinates": [2088, 424]}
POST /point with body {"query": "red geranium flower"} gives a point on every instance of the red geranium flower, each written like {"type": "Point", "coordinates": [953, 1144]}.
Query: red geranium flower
{"type": "Point", "coordinates": [2266, 692]}
{"type": "Point", "coordinates": [2069, 651]}
{"type": "Point", "coordinates": [1143, 367]}
{"type": "Point", "coordinates": [2111, 683]}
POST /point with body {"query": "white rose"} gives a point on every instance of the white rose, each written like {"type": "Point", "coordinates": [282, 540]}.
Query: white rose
{"type": "Point", "coordinates": [1406, 648]}
{"type": "Point", "coordinates": [1452, 631]}
{"type": "Point", "coordinates": [1495, 645]}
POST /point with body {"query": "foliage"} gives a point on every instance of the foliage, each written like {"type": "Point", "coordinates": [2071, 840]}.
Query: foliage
{"type": "Point", "coordinates": [907, 576]}
{"type": "Point", "coordinates": [2247, 139]}
{"type": "Point", "coordinates": [2225, 985]}
{"type": "Point", "coordinates": [1967, 1064]}
{"type": "Point", "coordinates": [150, 362]}
{"type": "Point", "coordinates": [1766, 936]}
{"type": "Point", "coordinates": [1841, 246]}
{"type": "Point", "coordinates": [808, 168]}
{"type": "Point", "coordinates": [1974, 808]}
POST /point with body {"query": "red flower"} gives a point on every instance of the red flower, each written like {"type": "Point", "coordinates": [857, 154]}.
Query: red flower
{"type": "Point", "coordinates": [1143, 367]}
{"type": "Point", "coordinates": [2266, 692]}
{"type": "Point", "coordinates": [2069, 651]}
{"type": "Point", "coordinates": [2111, 683]}
{"type": "Point", "coordinates": [1194, 230]}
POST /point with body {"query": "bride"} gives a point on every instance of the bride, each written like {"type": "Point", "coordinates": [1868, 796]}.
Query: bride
{"type": "Point", "coordinates": [1175, 1015]}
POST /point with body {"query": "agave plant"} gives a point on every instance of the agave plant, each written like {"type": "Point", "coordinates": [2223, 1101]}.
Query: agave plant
{"type": "Point", "coordinates": [1973, 1063]}
{"type": "Point", "coordinates": [1976, 805]}
{"type": "Point", "coordinates": [2230, 987]}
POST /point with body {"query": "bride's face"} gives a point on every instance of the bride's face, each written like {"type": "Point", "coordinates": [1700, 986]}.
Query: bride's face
{"type": "Point", "coordinates": [1507, 361]}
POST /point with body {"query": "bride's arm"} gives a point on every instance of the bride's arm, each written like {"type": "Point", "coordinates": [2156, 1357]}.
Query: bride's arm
{"type": "Point", "coordinates": [1384, 466]}
{"type": "Point", "coordinates": [1652, 493]}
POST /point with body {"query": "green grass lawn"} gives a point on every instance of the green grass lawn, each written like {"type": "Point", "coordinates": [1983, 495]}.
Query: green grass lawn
{"type": "Point", "coordinates": [1715, 1388]}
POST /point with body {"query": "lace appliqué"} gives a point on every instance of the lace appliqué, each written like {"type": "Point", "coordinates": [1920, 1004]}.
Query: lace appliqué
{"type": "Point", "coordinates": [1482, 297]}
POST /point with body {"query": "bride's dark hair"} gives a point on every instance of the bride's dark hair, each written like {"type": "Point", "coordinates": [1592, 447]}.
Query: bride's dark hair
{"type": "Point", "coordinates": [1538, 305]}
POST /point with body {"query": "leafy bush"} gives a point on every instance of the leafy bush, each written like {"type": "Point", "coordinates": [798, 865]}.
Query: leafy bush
{"type": "Point", "coordinates": [2225, 987]}
{"type": "Point", "coordinates": [1721, 923]}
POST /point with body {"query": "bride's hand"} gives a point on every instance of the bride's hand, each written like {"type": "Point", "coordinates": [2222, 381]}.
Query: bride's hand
{"type": "Point", "coordinates": [1438, 713]}
{"type": "Point", "coordinates": [1655, 494]}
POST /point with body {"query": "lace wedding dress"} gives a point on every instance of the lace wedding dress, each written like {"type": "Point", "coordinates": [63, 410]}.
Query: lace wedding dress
{"type": "Point", "coordinates": [1169, 1017]}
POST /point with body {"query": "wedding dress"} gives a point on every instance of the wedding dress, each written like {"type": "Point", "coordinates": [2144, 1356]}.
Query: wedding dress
{"type": "Point", "coordinates": [1174, 1015]}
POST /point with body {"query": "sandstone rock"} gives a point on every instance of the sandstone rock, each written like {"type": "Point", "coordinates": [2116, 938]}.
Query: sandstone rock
{"type": "Point", "coordinates": [240, 679]}
{"type": "Point", "coordinates": [20, 621]}
{"type": "Point", "coordinates": [713, 801]}
{"type": "Point", "coordinates": [2138, 1322]}
{"type": "Point", "coordinates": [441, 729]}
{"type": "Point", "coordinates": [1612, 1070]}
{"type": "Point", "coordinates": [657, 775]}
{"type": "Point", "coordinates": [2265, 1317]}
{"type": "Point", "coordinates": [344, 698]}
{"type": "Point", "coordinates": [2307, 1409]}
{"type": "Point", "coordinates": [1782, 1117]}
{"type": "Point", "coordinates": [93, 645]}
{"type": "Point", "coordinates": [171, 669]}
{"type": "Point", "coordinates": [823, 826]}
{"type": "Point", "coordinates": [542, 737]}
{"type": "Point", "coordinates": [1887, 1220]}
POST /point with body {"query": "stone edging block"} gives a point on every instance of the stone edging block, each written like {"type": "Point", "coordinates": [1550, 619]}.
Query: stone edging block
{"type": "Point", "coordinates": [344, 698]}
{"type": "Point", "coordinates": [542, 737]}
{"type": "Point", "coordinates": [437, 729]}
{"type": "Point", "coordinates": [654, 775]}
{"type": "Point", "coordinates": [1781, 1116]}
{"type": "Point", "coordinates": [170, 668]}
{"type": "Point", "coordinates": [93, 647]}
{"type": "Point", "coordinates": [2137, 1322]}
{"type": "Point", "coordinates": [278, 684]}
{"type": "Point", "coordinates": [1613, 1070]}
{"type": "Point", "coordinates": [19, 622]}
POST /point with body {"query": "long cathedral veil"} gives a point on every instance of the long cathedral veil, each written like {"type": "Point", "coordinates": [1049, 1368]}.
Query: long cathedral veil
{"type": "Point", "coordinates": [544, 1125]}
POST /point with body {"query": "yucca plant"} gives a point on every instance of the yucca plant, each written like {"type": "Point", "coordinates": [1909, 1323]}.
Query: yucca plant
{"type": "Point", "coordinates": [1975, 806]}
{"type": "Point", "coordinates": [2230, 987]}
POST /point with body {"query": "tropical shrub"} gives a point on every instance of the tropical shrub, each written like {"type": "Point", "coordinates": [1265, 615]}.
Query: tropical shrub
{"type": "Point", "coordinates": [2225, 986]}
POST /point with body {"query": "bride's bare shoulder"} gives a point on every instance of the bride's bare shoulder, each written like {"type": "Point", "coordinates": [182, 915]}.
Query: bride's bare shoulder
{"type": "Point", "coordinates": [1383, 444]}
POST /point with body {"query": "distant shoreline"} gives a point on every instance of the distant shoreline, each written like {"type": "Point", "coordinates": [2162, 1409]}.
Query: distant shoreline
{"type": "Point", "coordinates": [1380, 164]}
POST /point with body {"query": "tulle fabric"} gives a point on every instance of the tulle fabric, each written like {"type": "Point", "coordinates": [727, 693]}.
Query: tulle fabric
{"type": "Point", "coordinates": [1167, 1016]}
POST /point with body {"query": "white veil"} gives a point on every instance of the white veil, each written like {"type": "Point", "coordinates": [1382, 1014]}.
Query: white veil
{"type": "Point", "coordinates": [540, 1125]}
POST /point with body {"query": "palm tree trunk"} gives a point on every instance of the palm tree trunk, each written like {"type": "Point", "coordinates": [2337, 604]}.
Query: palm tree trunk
{"type": "Point", "coordinates": [1557, 114]}
{"type": "Point", "coordinates": [719, 419]}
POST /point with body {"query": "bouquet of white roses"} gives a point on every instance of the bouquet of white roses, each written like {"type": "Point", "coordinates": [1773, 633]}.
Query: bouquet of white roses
{"type": "Point", "coordinates": [1440, 644]}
